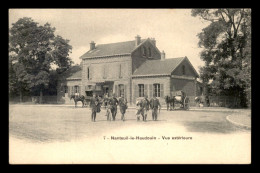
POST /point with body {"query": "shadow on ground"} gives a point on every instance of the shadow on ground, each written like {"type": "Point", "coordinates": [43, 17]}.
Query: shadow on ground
{"type": "Point", "coordinates": [211, 127]}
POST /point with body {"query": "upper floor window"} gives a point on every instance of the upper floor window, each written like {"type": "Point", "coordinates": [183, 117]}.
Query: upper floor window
{"type": "Point", "coordinates": [156, 90]}
{"type": "Point", "coordinates": [144, 51]}
{"type": "Point", "coordinates": [149, 52]}
{"type": "Point", "coordinates": [183, 70]}
{"type": "Point", "coordinates": [141, 90]}
{"type": "Point", "coordinates": [88, 73]}
{"type": "Point", "coordinates": [120, 70]}
{"type": "Point", "coordinates": [105, 71]}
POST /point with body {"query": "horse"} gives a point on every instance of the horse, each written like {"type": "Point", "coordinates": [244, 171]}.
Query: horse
{"type": "Point", "coordinates": [79, 98]}
{"type": "Point", "coordinates": [169, 102]}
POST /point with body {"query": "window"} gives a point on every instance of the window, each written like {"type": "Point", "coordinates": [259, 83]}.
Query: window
{"type": "Point", "coordinates": [105, 71]}
{"type": "Point", "coordinates": [144, 51]}
{"type": "Point", "coordinates": [141, 90]}
{"type": "Point", "coordinates": [156, 90]}
{"type": "Point", "coordinates": [183, 70]}
{"type": "Point", "coordinates": [149, 52]}
{"type": "Point", "coordinates": [120, 70]}
{"type": "Point", "coordinates": [121, 89]}
{"type": "Point", "coordinates": [88, 73]}
{"type": "Point", "coordinates": [65, 89]}
{"type": "Point", "coordinates": [76, 89]}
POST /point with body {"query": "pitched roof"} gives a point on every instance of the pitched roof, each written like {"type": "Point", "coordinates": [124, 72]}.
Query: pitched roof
{"type": "Point", "coordinates": [111, 49]}
{"type": "Point", "coordinates": [158, 67]}
{"type": "Point", "coordinates": [73, 73]}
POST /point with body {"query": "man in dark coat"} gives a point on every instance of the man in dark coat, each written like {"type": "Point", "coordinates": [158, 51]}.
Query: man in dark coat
{"type": "Point", "coordinates": [155, 104]}
{"type": "Point", "coordinates": [123, 106]}
{"type": "Point", "coordinates": [113, 102]}
{"type": "Point", "coordinates": [145, 107]}
{"type": "Point", "coordinates": [167, 101]}
{"type": "Point", "coordinates": [94, 107]}
{"type": "Point", "coordinates": [171, 102]}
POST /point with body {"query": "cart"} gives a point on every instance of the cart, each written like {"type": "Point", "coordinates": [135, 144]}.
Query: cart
{"type": "Point", "coordinates": [181, 98]}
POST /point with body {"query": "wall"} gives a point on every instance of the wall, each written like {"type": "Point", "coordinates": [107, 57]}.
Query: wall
{"type": "Point", "coordinates": [61, 97]}
{"type": "Point", "coordinates": [165, 81]}
{"type": "Point", "coordinates": [137, 55]}
{"type": "Point", "coordinates": [107, 69]}
{"type": "Point", "coordinates": [186, 85]}
{"type": "Point", "coordinates": [188, 69]}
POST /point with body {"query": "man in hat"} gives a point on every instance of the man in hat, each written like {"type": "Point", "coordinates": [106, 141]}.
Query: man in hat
{"type": "Point", "coordinates": [155, 104]}
{"type": "Point", "coordinates": [94, 106]}
{"type": "Point", "coordinates": [123, 106]}
{"type": "Point", "coordinates": [145, 107]}
{"type": "Point", "coordinates": [113, 102]}
{"type": "Point", "coordinates": [171, 102]}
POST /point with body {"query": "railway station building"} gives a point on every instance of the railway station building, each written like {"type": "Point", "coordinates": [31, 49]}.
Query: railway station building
{"type": "Point", "coordinates": [134, 68]}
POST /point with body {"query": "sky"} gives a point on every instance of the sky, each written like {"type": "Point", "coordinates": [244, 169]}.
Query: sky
{"type": "Point", "coordinates": [174, 30]}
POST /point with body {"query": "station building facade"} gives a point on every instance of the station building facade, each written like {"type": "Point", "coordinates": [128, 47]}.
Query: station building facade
{"type": "Point", "coordinates": [133, 68]}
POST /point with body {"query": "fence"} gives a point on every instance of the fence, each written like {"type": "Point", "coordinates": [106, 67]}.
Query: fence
{"type": "Point", "coordinates": [35, 99]}
{"type": "Point", "coordinates": [219, 101]}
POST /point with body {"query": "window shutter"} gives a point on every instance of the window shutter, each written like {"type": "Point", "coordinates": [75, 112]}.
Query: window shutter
{"type": "Point", "coordinates": [120, 70]}
{"type": "Point", "coordinates": [69, 91]}
{"type": "Point", "coordinates": [135, 91]}
{"type": "Point", "coordinates": [90, 72]}
{"type": "Point", "coordinates": [145, 89]}
{"type": "Point", "coordinates": [150, 90]}
{"type": "Point", "coordinates": [125, 88]}
{"type": "Point", "coordinates": [162, 91]}
{"type": "Point", "coordinates": [105, 71]}
{"type": "Point", "coordinates": [116, 90]}
{"type": "Point", "coordinates": [79, 90]}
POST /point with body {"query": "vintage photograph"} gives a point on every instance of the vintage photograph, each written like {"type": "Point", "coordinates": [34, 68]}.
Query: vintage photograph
{"type": "Point", "coordinates": [129, 86]}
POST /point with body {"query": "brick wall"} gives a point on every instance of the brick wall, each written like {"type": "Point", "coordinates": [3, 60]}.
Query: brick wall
{"type": "Point", "coordinates": [148, 82]}
{"type": "Point", "coordinates": [188, 69]}
{"type": "Point", "coordinates": [186, 85]}
{"type": "Point", "coordinates": [106, 69]}
{"type": "Point", "coordinates": [61, 96]}
{"type": "Point", "coordinates": [138, 58]}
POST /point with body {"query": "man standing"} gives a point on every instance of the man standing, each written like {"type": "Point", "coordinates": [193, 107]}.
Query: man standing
{"type": "Point", "coordinates": [172, 102]}
{"type": "Point", "coordinates": [167, 101]}
{"type": "Point", "coordinates": [155, 104]}
{"type": "Point", "coordinates": [145, 107]}
{"type": "Point", "coordinates": [113, 102]}
{"type": "Point", "coordinates": [94, 106]}
{"type": "Point", "coordinates": [123, 106]}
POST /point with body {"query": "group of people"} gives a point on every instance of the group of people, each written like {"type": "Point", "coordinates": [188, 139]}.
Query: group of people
{"type": "Point", "coordinates": [144, 105]}
{"type": "Point", "coordinates": [111, 104]}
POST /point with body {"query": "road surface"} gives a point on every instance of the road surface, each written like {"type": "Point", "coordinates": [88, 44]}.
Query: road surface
{"type": "Point", "coordinates": [39, 134]}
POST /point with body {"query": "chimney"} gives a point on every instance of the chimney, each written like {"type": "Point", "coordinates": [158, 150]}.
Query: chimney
{"type": "Point", "coordinates": [92, 45]}
{"type": "Point", "coordinates": [163, 56]}
{"type": "Point", "coordinates": [153, 41]}
{"type": "Point", "coordinates": [137, 40]}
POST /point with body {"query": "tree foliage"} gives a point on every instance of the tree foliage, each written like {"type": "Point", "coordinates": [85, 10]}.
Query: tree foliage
{"type": "Point", "coordinates": [227, 50]}
{"type": "Point", "coordinates": [34, 51]}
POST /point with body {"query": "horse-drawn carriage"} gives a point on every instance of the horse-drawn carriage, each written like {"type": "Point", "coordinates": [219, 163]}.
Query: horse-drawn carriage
{"type": "Point", "coordinates": [182, 99]}
{"type": "Point", "coordinates": [178, 97]}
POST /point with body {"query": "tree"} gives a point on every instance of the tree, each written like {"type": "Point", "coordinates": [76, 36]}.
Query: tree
{"type": "Point", "coordinates": [33, 53]}
{"type": "Point", "coordinates": [227, 51]}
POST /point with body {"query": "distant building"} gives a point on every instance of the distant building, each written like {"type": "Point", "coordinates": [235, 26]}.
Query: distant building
{"type": "Point", "coordinates": [133, 68]}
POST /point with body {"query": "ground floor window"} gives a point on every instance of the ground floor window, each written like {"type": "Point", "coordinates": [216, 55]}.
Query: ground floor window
{"type": "Point", "coordinates": [65, 89]}
{"type": "Point", "coordinates": [141, 90]}
{"type": "Point", "coordinates": [76, 89]}
{"type": "Point", "coordinates": [156, 90]}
